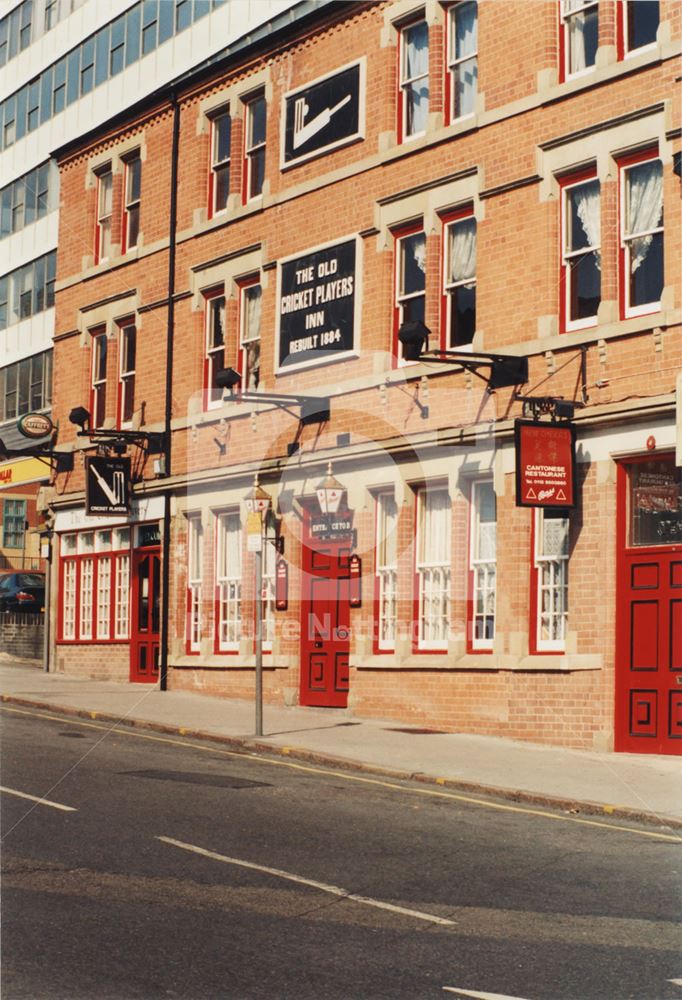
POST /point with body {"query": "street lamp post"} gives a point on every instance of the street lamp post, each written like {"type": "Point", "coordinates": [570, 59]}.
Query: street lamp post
{"type": "Point", "coordinates": [258, 503]}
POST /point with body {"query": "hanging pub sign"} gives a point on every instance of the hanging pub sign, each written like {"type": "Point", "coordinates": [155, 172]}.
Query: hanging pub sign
{"type": "Point", "coordinates": [323, 115]}
{"type": "Point", "coordinates": [355, 581]}
{"type": "Point", "coordinates": [35, 425]}
{"type": "Point", "coordinates": [281, 585]}
{"type": "Point", "coordinates": [545, 464]}
{"type": "Point", "coordinates": [107, 486]}
{"type": "Point", "coordinates": [317, 305]}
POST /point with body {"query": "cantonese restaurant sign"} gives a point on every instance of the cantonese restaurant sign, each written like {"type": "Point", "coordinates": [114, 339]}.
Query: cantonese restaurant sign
{"type": "Point", "coordinates": [545, 464]}
{"type": "Point", "coordinates": [317, 305]}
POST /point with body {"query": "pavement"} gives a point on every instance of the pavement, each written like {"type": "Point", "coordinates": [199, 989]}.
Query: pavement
{"type": "Point", "coordinates": [645, 788]}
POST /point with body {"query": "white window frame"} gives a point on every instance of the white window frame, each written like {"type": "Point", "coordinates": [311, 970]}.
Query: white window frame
{"type": "Point", "coordinates": [406, 83]}
{"type": "Point", "coordinates": [268, 593]}
{"type": "Point", "coordinates": [220, 166]}
{"type": "Point", "coordinates": [253, 150]}
{"type": "Point", "coordinates": [433, 576]}
{"type": "Point", "coordinates": [567, 14]}
{"type": "Point", "coordinates": [132, 203]}
{"type": "Point", "coordinates": [628, 49]}
{"type": "Point", "coordinates": [483, 571]}
{"type": "Point", "coordinates": [552, 578]}
{"type": "Point", "coordinates": [626, 238]}
{"type": "Point", "coordinates": [569, 255]}
{"type": "Point", "coordinates": [122, 597]}
{"type": "Point", "coordinates": [229, 581]}
{"type": "Point", "coordinates": [214, 396]}
{"type": "Point", "coordinates": [98, 383]}
{"type": "Point", "coordinates": [126, 375]}
{"type": "Point", "coordinates": [86, 587]}
{"type": "Point", "coordinates": [195, 554]}
{"type": "Point", "coordinates": [69, 592]}
{"type": "Point", "coordinates": [105, 202]}
{"type": "Point", "coordinates": [386, 569]}
{"type": "Point", "coordinates": [247, 339]}
{"type": "Point", "coordinates": [454, 61]}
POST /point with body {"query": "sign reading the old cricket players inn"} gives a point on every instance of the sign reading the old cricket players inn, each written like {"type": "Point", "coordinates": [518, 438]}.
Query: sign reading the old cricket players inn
{"type": "Point", "coordinates": [545, 464]}
{"type": "Point", "coordinates": [317, 305]}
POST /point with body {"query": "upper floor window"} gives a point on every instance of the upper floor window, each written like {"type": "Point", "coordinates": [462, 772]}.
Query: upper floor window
{"type": "Point", "coordinates": [641, 233]}
{"type": "Point", "coordinates": [105, 182]}
{"type": "Point", "coordinates": [410, 279]}
{"type": "Point", "coordinates": [221, 131]}
{"type": "Point", "coordinates": [433, 567]}
{"type": "Point", "coordinates": [215, 347]}
{"type": "Point", "coordinates": [14, 524]}
{"type": "Point", "coordinates": [28, 290]}
{"type": "Point", "coordinates": [414, 78]}
{"type": "Point", "coordinates": [386, 570]}
{"type": "Point", "coordinates": [28, 198]}
{"type": "Point", "coordinates": [483, 565]}
{"type": "Point", "coordinates": [26, 386]}
{"type": "Point", "coordinates": [98, 393]}
{"type": "Point", "coordinates": [550, 596]}
{"type": "Point", "coordinates": [127, 362]}
{"type": "Point", "coordinates": [640, 20]}
{"type": "Point", "coordinates": [459, 282]}
{"type": "Point", "coordinates": [254, 147]}
{"type": "Point", "coordinates": [131, 208]}
{"type": "Point", "coordinates": [580, 35]}
{"type": "Point", "coordinates": [462, 58]}
{"type": "Point", "coordinates": [250, 308]}
{"type": "Point", "coordinates": [581, 256]}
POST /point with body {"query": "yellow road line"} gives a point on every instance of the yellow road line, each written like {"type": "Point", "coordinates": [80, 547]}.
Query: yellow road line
{"type": "Point", "coordinates": [362, 779]}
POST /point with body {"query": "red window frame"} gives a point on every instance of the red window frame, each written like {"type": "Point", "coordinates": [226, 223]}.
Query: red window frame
{"type": "Point", "coordinates": [96, 557]}
{"type": "Point", "coordinates": [126, 375]}
{"type": "Point", "coordinates": [399, 234]}
{"type": "Point", "coordinates": [131, 200]}
{"type": "Point", "coordinates": [401, 104]}
{"type": "Point", "coordinates": [630, 160]}
{"type": "Point", "coordinates": [622, 30]}
{"type": "Point", "coordinates": [211, 297]}
{"type": "Point", "coordinates": [252, 150]}
{"type": "Point", "coordinates": [216, 165]}
{"type": "Point", "coordinates": [98, 383]}
{"type": "Point", "coordinates": [447, 218]}
{"type": "Point", "coordinates": [567, 181]}
{"type": "Point", "coordinates": [449, 89]}
{"type": "Point", "coordinates": [100, 218]}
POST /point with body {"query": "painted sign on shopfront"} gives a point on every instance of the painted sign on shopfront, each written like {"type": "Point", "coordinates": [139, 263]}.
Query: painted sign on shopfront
{"type": "Point", "coordinates": [545, 464]}
{"type": "Point", "coordinates": [330, 526]}
{"type": "Point", "coordinates": [355, 581]}
{"type": "Point", "coordinates": [282, 585]}
{"type": "Point", "coordinates": [323, 115]}
{"type": "Point", "coordinates": [317, 305]}
{"type": "Point", "coordinates": [25, 470]}
{"type": "Point", "coordinates": [107, 486]}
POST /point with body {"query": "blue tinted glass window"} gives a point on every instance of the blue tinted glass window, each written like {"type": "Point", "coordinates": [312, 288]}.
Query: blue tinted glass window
{"type": "Point", "coordinates": [87, 66]}
{"type": "Point", "coordinates": [183, 14]}
{"type": "Point", "coordinates": [33, 105]}
{"type": "Point", "coordinates": [73, 76]}
{"type": "Point", "coordinates": [46, 95]}
{"type": "Point", "coordinates": [166, 13]}
{"type": "Point", "coordinates": [133, 34]}
{"type": "Point", "coordinates": [4, 29]}
{"type": "Point", "coordinates": [59, 87]}
{"type": "Point", "coordinates": [117, 46]}
{"type": "Point", "coordinates": [150, 11]}
{"type": "Point", "coordinates": [201, 8]}
{"type": "Point", "coordinates": [102, 56]}
{"type": "Point", "coordinates": [22, 102]}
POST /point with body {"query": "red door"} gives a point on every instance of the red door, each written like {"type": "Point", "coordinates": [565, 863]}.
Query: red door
{"type": "Point", "coordinates": [649, 608]}
{"type": "Point", "coordinates": [325, 624]}
{"type": "Point", "coordinates": [144, 632]}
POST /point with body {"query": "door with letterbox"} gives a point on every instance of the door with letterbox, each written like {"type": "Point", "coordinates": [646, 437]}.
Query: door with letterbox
{"type": "Point", "coordinates": [325, 623]}
{"type": "Point", "coordinates": [649, 607]}
{"type": "Point", "coordinates": [146, 606]}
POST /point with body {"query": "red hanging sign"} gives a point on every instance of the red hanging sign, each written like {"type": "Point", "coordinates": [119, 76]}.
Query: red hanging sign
{"type": "Point", "coordinates": [355, 581]}
{"type": "Point", "coordinates": [545, 464]}
{"type": "Point", "coordinates": [281, 585]}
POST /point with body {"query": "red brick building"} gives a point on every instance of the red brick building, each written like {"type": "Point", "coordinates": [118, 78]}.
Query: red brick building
{"type": "Point", "coordinates": [283, 212]}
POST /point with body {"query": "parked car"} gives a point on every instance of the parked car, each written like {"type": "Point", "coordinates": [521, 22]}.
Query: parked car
{"type": "Point", "coordinates": [23, 592]}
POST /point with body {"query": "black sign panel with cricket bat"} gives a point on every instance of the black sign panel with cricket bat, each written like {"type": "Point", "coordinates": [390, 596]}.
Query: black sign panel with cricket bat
{"type": "Point", "coordinates": [107, 486]}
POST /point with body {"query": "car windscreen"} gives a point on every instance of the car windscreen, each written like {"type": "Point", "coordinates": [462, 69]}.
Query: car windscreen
{"type": "Point", "coordinates": [31, 580]}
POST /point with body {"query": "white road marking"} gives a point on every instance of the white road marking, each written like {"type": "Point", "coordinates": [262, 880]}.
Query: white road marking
{"type": "Point", "coordinates": [34, 798]}
{"type": "Point", "coordinates": [322, 886]}
{"type": "Point", "coordinates": [480, 996]}
{"type": "Point", "coordinates": [675, 982]}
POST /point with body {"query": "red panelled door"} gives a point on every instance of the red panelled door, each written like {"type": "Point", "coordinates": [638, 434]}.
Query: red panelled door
{"type": "Point", "coordinates": [649, 611]}
{"type": "Point", "coordinates": [145, 619]}
{"type": "Point", "coordinates": [325, 624]}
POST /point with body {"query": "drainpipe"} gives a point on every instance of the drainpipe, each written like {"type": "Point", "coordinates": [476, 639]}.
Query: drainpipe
{"type": "Point", "coordinates": [165, 541]}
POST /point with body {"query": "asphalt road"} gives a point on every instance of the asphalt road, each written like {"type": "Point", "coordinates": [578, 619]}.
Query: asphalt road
{"type": "Point", "coordinates": [186, 870]}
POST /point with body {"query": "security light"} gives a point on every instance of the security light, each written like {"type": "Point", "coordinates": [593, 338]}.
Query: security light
{"type": "Point", "coordinates": [80, 417]}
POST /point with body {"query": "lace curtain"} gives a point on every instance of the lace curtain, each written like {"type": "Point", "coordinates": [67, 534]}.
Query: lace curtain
{"type": "Point", "coordinates": [587, 206]}
{"type": "Point", "coordinates": [463, 250]}
{"type": "Point", "coordinates": [645, 206]}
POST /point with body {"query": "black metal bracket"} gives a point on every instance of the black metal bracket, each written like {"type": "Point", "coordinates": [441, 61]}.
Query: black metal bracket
{"type": "Point", "coordinates": [505, 369]}
{"type": "Point", "coordinates": [153, 441]}
{"type": "Point", "coordinates": [556, 406]}
{"type": "Point", "coordinates": [63, 460]}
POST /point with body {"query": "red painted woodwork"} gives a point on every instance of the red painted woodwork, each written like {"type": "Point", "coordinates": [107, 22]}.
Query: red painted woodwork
{"type": "Point", "coordinates": [648, 643]}
{"type": "Point", "coordinates": [325, 623]}
{"type": "Point", "coordinates": [145, 618]}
